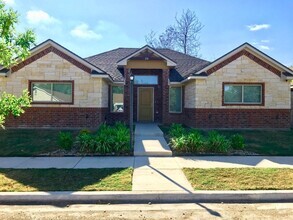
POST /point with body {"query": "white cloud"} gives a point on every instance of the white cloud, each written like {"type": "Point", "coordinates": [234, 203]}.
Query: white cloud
{"type": "Point", "coordinates": [40, 17]}
{"type": "Point", "coordinates": [264, 47]}
{"type": "Point", "coordinates": [265, 41]}
{"type": "Point", "coordinates": [83, 31]}
{"type": "Point", "coordinates": [9, 2]}
{"type": "Point", "coordinates": [257, 27]}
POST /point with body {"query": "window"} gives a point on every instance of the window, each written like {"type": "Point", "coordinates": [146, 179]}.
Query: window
{"type": "Point", "coordinates": [52, 92]}
{"type": "Point", "coordinates": [243, 93]}
{"type": "Point", "coordinates": [117, 102]}
{"type": "Point", "coordinates": [146, 80]}
{"type": "Point", "coordinates": [175, 99]}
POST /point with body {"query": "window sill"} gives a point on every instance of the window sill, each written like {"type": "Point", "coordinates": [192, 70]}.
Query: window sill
{"type": "Point", "coordinates": [242, 104]}
{"type": "Point", "coordinates": [52, 103]}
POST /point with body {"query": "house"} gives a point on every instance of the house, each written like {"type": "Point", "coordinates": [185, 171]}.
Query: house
{"type": "Point", "coordinates": [245, 88]}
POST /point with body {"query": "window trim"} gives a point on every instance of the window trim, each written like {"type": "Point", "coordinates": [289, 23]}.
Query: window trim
{"type": "Point", "coordinates": [143, 84]}
{"type": "Point", "coordinates": [30, 82]}
{"type": "Point", "coordinates": [262, 103]}
{"type": "Point", "coordinates": [181, 101]}
{"type": "Point", "coordinates": [111, 99]}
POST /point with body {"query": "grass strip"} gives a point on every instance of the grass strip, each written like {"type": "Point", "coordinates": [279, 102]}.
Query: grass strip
{"type": "Point", "coordinates": [240, 178]}
{"type": "Point", "coordinates": [29, 180]}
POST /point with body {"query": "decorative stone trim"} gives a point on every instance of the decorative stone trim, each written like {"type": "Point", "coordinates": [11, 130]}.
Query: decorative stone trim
{"type": "Point", "coordinates": [45, 52]}
{"type": "Point", "coordinates": [250, 56]}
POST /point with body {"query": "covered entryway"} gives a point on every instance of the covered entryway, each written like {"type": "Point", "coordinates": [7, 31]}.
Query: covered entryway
{"type": "Point", "coordinates": [145, 103]}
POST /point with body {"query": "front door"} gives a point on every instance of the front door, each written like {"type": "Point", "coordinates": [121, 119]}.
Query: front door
{"type": "Point", "coordinates": [145, 104]}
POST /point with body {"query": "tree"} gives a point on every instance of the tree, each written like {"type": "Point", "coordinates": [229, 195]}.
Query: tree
{"type": "Point", "coordinates": [14, 47]}
{"type": "Point", "coordinates": [183, 36]}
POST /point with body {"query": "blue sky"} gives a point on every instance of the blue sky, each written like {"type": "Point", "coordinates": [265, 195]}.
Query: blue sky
{"type": "Point", "coordinates": [91, 26]}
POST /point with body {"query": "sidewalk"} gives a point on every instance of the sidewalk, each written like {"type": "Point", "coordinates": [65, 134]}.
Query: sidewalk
{"type": "Point", "coordinates": [142, 162]}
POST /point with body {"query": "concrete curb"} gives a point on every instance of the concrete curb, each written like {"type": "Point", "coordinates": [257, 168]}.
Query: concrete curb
{"type": "Point", "coordinates": [145, 197]}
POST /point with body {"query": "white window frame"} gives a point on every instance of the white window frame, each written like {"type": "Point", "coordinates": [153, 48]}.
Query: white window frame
{"type": "Point", "coordinates": [51, 82]}
{"type": "Point", "coordinates": [242, 97]}
{"type": "Point", "coordinates": [180, 99]}
{"type": "Point", "coordinates": [111, 99]}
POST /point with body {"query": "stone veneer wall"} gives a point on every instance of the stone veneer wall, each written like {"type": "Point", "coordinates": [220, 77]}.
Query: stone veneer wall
{"type": "Point", "coordinates": [203, 99]}
{"type": "Point", "coordinates": [90, 94]}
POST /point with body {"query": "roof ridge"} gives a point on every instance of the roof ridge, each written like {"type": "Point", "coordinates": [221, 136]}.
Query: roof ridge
{"type": "Point", "coordinates": [103, 53]}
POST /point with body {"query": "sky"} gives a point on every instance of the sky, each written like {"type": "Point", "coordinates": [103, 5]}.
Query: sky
{"type": "Point", "coordinates": [90, 27]}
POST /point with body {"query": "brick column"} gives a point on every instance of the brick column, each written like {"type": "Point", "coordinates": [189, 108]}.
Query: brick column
{"type": "Point", "coordinates": [165, 96]}
{"type": "Point", "coordinates": [126, 94]}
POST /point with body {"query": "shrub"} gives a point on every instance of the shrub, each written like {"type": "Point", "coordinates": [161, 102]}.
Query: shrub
{"type": "Point", "coordinates": [218, 143]}
{"type": "Point", "coordinates": [87, 143]}
{"type": "Point", "coordinates": [195, 141]}
{"type": "Point", "coordinates": [113, 139]}
{"type": "Point", "coordinates": [65, 140]}
{"type": "Point", "coordinates": [188, 142]}
{"type": "Point", "coordinates": [237, 141]}
{"type": "Point", "coordinates": [176, 130]}
{"type": "Point", "coordinates": [180, 143]}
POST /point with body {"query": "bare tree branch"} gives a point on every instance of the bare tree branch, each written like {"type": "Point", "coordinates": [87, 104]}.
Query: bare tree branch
{"type": "Point", "coordinates": [183, 36]}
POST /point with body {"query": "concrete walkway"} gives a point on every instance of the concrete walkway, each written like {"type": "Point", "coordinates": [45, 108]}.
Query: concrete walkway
{"type": "Point", "coordinates": [144, 162]}
{"type": "Point", "coordinates": [149, 141]}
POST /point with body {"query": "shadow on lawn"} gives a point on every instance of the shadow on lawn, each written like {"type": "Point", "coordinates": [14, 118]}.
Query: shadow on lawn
{"type": "Point", "coordinates": [20, 180]}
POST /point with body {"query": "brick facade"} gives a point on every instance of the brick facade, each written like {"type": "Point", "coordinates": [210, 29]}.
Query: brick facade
{"type": "Point", "coordinates": [58, 117]}
{"type": "Point", "coordinates": [237, 118]}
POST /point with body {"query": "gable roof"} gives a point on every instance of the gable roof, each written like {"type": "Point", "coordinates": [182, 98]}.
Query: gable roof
{"type": "Point", "coordinates": [69, 53]}
{"type": "Point", "coordinates": [261, 58]}
{"type": "Point", "coordinates": [185, 64]}
{"type": "Point", "coordinates": [124, 60]}
{"type": "Point", "coordinates": [51, 46]}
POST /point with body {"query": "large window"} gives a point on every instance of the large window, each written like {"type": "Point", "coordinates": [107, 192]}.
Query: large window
{"type": "Point", "coordinates": [117, 94]}
{"type": "Point", "coordinates": [175, 99]}
{"type": "Point", "coordinates": [145, 80]}
{"type": "Point", "coordinates": [52, 92]}
{"type": "Point", "coordinates": [243, 94]}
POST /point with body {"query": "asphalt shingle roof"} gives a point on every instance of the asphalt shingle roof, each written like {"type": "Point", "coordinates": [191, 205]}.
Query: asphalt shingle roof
{"type": "Point", "coordinates": [186, 64]}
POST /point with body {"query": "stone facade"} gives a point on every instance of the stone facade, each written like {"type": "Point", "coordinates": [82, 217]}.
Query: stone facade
{"type": "Point", "coordinates": [204, 98]}
{"type": "Point", "coordinates": [90, 94]}
{"type": "Point", "coordinates": [208, 93]}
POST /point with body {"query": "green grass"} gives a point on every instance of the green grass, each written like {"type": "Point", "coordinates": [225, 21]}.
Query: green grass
{"type": "Point", "coordinates": [240, 178]}
{"type": "Point", "coordinates": [29, 180]}
{"type": "Point", "coordinates": [263, 142]}
{"type": "Point", "coordinates": [28, 142]}
{"type": "Point", "coordinates": [266, 142]}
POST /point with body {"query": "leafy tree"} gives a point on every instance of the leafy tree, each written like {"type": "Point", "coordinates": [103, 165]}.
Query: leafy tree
{"type": "Point", "coordinates": [10, 104]}
{"type": "Point", "coordinates": [183, 36]}
{"type": "Point", "coordinates": [14, 47]}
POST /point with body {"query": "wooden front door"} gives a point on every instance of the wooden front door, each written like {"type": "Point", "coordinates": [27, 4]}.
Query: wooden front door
{"type": "Point", "coordinates": [145, 104]}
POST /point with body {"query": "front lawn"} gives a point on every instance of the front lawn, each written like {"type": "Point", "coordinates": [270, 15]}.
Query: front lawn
{"type": "Point", "coordinates": [28, 142]}
{"type": "Point", "coordinates": [106, 140]}
{"type": "Point", "coordinates": [240, 178]}
{"type": "Point", "coordinates": [262, 142]}
{"type": "Point", "coordinates": [29, 180]}
{"type": "Point", "coordinates": [266, 142]}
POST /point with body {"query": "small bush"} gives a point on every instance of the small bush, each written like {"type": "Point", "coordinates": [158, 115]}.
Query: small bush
{"type": "Point", "coordinates": [180, 143]}
{"type": "Point", "coordinates": [237, 142]}
{"type": "Point", "coordinates": [195, 141]}
{"type": "Point", "coordinates": [87, 143]}
{"type": "Point", "coordinates": [176, 130]}
{"type": "Point", "coordinates": [65, 140]}
{"type": "Point", "coordinates": [218, 143]}
{"type": "Point", "coordinates": [188, 142]}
